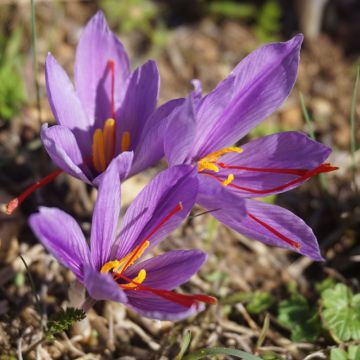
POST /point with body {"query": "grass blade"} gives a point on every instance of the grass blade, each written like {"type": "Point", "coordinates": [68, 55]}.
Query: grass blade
{"type": "Point", "coordinates": [34, 54]}
{"type": "Point", "coordinates": [200, 354]}
{"type": "Point", "coordinates": [184, 345]}
{"type": "Point", "coordinates": [306, 115]}
{"type": "Point", "coordinates": [311, 132]}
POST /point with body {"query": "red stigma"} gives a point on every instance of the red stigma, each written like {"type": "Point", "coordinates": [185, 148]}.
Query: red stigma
{"type": "Point", "coordinates": [303, 175]}
{"type": "Point", "coordinates": [111, 66]}
{"type": "Point", "coordinates": [14, 203]}
{"type": "Point", "coordinates": [181, 299]}
{"type": "Point", "coordinates": [174, 211]}
{"type": "Point", "coordinates": [299, 172]}
{"type": "Point", "coordinates": [292, 243]}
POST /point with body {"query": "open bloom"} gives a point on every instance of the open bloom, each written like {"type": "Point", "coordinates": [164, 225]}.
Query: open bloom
{"type": "Point", "coordinates": [202, 131]}
{"type": "Point", "coordinates": [111, 268]}
{"type": "Point", "coordinates": [110, 111]}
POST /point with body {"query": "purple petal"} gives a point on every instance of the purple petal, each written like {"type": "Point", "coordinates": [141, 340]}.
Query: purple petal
{"type": "Point", "coordinates": [153, 205]}
{"type": "Point", "coordinates": [62, 237]}
{"type": "Point", "coordinates": [263, 80]}
{"type": "Point", "coordinates": [106, 214]}
{"type": "Point", "coordinates": [169, 270]}
{"type": "Point", "coordinates": [124, 164]}
{"type": "Point", "coordinates": [154, 307]}
{"type": "Point", "coordinates": [139, 102]}
{"type": "Point", "coordinates": [180, 133]}
{"type": "Point", "coordinates": [286, 151]}
{"type": "Point", "coordinates": [150, 148]}
{"type": "Point", "coordinates": [93, 81]}
{"type": "Point", "coordinates": [222, 203]}
{"type": "Point", "coordinates": [290, 231]}
{"type": "Point", "coordinates": [102, 286]}
{"type": "Point", "coordinates": [210, 110]}
{"type": "Point", "coordinates": [62, 147]}
{"type": "Point", "coordinates": [66, 105]}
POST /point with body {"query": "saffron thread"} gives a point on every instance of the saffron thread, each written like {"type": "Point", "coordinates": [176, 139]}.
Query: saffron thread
{"type": "Point", "coordinates": [14, 203]}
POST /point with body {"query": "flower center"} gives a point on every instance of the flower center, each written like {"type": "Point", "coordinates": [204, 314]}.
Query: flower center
{"type": "Point", "coordinates": [117, 267]}
{"type": "Point", "coordinates": [104, 140]}
{"type": "Point", "coordinates": [209, 162]}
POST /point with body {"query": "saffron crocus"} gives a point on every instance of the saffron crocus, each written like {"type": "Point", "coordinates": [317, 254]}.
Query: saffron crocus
{"type": "Point", "coordinates": [111, 268]}
{"type": "Point", "coordinates": [110, 111]}
{"type": "Point", "coordinates": [202, 131]}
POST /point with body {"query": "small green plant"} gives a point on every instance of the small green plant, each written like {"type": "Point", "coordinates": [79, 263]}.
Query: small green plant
{"type": "Point", "coordinates": [301, 319]}
{"type": "Point", "coordinates": [260, 302]}
{"type": "Point", "coordinates": [62, 321]}
{"type": "Point", "coordinates": [131, 14]}
{"type": "Point", "coordinates": [255, 303]}
{"type": "Point", "coordinates": [12, 89]}
{"type": "Point", "coordinates": [352, 353]}
{"type": "Point", "coordinates": [268, 22]}
{"type": "Point", "coordinates": [341, 313]}
{"type": "Point", "coordinates": [232, 9]}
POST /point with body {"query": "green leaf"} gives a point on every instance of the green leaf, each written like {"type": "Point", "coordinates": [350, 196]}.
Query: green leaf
{"type": "Point", "coordinates": [62, 321]}
{"type": "Point", "coordinates": [341, 312]}
{"type": "Point", "coordinates": [200, 354]}
{"type": "Point", "coordinates": [328, 283]}
{"type": "Point", "coordinates": [338, 354]}
{"type": "Point", "coordinates": [184, 345]}
{"type": "Point", "coordinates": [299, 318]}
{"type": "Point", "coordinates": [260, 302]}
{"type": "Point", "coordinates": [354, 352]}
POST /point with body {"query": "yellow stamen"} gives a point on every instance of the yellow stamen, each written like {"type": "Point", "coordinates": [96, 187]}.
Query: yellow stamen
{"type": "Point", "coordinates": [98, 151]}
{"type": "Point", "coordinates": [136, 281]}
{"type": "Point", "coordinates": [109, 139]}
{"type": "Point", "coordinates": [125, 141]}
{"type": "Point", "coordinates": [208, 162]}
{"type": "Point", "coordinates": [118, 265]}
{"type": "Point", "coordinates": [229, 179]}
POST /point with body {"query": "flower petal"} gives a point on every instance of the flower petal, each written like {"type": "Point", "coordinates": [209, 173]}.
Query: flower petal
{"type": "Point", "coordinates": [291, 232]}
{"type": "Point", "coordinates": [169, 270]}
{"type": "Point", "coordinates": [263, 80]}
{"type": "Point", "coordinates": [66, 105]}
{"type": "Point", "coordinates": [154, 307]}
{"type": "Point", "coordinates": [222, 203]}
{"type": "Point", "coordinates": [102, 286]}
{"type": "Point", "coordinates": [153, 205]}
{"type": "Point", "coordinates": [93, 81]}
{"type": "Point", "coordinates": [139, 102]}
{"type": "Point", "coordinates": [62, 237]}
{"type": "Point", "coordinates": [124, 164]}
{"type": "Point", "coordinates": [263, 164]}
{"type": "Point", "coordinates": [180, 132]}
{"type": "Point", "coordinates": [210, 110]}
{"type": "Point", "coordinates": [150, 148]}
{"type": "Point", "coordinates": [106, 213]}
{"type": "Point", "coordinates": [62, 147]}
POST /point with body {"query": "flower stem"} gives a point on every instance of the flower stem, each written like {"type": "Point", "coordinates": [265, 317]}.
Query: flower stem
{"type": "Point", "coordinates": [88, 304]}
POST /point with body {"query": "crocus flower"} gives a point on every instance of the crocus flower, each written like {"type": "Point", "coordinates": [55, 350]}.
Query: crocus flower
{"type": "Point", "coordinates": [110, 111]}
{"type": "Point", "coordinates": [202, 131]}
{"type": "Point", "coordinates": [110, 268]}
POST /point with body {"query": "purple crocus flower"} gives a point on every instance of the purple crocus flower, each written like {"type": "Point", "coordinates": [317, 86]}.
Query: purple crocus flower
{"type": "Point", "coordinates": [202, 131]}
{"type": "Point", "coordinates": [110, 111]}
{"type": "Point", "coordinates": [110, 268]}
